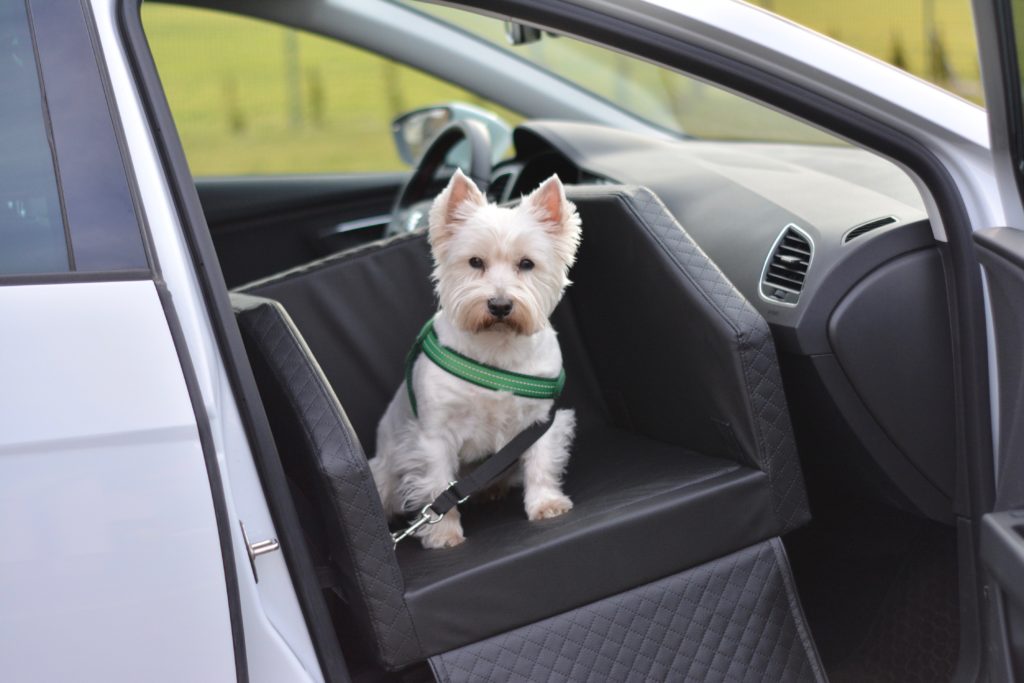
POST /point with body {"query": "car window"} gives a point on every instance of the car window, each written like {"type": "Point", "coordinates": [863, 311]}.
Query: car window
{"type": "Point", "coordinates": [677, 103]}
{"type": "Point", "coordinates": [32, 236]}
{"type": "Point", "coordinates": [253, 97]}
{"type": "Point", "coordinates": [932, 39]}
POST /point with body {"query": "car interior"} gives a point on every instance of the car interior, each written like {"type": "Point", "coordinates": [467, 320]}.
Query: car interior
{"type": "Point", "coordinates": [759, 350]}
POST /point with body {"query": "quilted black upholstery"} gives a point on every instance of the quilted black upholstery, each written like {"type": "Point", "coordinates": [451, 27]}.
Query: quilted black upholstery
{"type": "Point", "coordinates": [739, 413]}
{"type": "Point", "coordinates": [734, 619]}
{"type": "Point", "coordinates": [307, 413]}
{"type": "Point", "coordinates": [688, 440]}
{"type": "Point", "coordinates": [359, 311]}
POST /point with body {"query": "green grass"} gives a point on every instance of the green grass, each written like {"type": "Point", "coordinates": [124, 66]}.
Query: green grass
{"type": "Point", "coordinates": [251, 97]}
{"type": "Point", "coordinates": [891, 29]}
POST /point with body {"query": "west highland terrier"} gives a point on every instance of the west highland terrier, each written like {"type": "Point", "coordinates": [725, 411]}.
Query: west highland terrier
{"type": "Point", "coordinates": [499, 273]}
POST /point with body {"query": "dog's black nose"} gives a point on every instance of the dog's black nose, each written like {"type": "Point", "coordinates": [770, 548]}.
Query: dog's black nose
{"type": "Point", "coordinates": [499, 306]}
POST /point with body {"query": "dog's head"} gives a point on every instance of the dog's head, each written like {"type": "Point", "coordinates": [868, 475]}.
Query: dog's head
{"type": "Point", "coordinates": [502, 268]}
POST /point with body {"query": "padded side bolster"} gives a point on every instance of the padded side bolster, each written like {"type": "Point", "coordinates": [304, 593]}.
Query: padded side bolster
{"type": "Point", "coordinates": [714, 383]}
{"type": "Point", "coordinates": [737, 618]}
{"type": "Point", "coordinates": [359, 311]}
{"type": "Point", "coordinates": [322, 445]}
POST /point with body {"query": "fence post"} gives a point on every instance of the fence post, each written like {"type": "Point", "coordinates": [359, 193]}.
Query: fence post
{"type": "Point", "coordinates": [292, 78]}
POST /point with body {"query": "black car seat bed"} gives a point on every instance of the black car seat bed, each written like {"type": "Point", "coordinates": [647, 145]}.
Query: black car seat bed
{"type": "Point", "coordinates": [683, 474]}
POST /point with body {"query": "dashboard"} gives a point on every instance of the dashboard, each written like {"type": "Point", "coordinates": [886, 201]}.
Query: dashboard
{"type": "Point", "coordinates": [833, 246]}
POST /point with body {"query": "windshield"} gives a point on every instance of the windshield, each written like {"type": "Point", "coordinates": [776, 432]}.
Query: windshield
{"type": "Point", "coordinates": [672, 101]}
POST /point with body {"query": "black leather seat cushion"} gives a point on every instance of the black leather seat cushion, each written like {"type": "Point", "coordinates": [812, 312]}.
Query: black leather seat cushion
{"type": "Point", "coordinates": [683, 451]}
{"type": "Point", "coordinates": [642, 510]}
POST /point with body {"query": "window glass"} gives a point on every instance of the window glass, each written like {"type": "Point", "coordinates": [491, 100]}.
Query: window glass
{"type": "Point", "coordinates": [253, 97]}
{"type": "Point", "coordinates": [932, 39]}
{"type": "Point", "coordinates": [670, 100]}
{"type": "Point", "coordinates": [32, 237]}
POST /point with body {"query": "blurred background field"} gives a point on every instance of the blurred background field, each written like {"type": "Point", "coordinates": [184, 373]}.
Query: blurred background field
{"type": "Point", "coordinates": [250, 97]}
{"type": "Point", "coordinates": [933, 39]}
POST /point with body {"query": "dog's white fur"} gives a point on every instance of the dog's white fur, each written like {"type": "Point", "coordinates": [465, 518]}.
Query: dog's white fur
{"type": "Point", "coordinates": [459, 422]}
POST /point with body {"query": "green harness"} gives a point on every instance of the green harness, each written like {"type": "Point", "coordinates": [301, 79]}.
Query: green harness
{"type": "Point", "coordinates": [480, 374]}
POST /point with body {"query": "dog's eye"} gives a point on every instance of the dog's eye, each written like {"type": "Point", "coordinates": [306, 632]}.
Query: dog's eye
{"type": "Point", "coordinates": [525, 264]}
{"type": "Point", "coordinates": [476, 262]}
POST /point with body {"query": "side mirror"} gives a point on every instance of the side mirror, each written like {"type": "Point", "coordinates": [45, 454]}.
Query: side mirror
{"type": "Point", "coordinates": [415, 130]}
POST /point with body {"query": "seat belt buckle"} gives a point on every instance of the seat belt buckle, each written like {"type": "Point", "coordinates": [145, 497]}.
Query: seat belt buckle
{"type": "Point", "coordinates": [427, 516]}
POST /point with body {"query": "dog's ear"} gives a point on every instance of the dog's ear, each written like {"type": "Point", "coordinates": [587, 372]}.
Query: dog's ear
{"type": "Point", "coordinates": [451, 206]}
{"type": "Point", "coordinates": [549, 205]}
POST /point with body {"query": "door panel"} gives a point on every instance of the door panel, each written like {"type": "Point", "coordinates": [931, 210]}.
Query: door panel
{"type": "Point", "coordinates": [1000, 29]}
{"type": "Point", "coordinates": [265, 224]}
{"type": "Point", "coordinates": [1002, 545]}
{"type": "Point", "coordinates": [111, 568]}
{"type": "Point", "coordinates": [1001, 252]}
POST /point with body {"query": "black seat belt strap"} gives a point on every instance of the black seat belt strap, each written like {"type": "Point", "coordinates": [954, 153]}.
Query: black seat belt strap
{"type": "Point", "coordinates": [482, 476]}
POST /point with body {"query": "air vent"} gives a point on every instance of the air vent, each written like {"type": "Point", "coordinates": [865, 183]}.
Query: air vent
{"type": "Point", "coordinates": [859, 230]}
{"type": "Point", "coordinates": [786, 267]}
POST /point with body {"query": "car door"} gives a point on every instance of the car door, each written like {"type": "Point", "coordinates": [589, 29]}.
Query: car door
{"type": "Point", "coordinates": [117, 561]}
{"type": "Point", "coordinates": [1000, 27]}
{"type": "Point", "coordinates": [289, 137]}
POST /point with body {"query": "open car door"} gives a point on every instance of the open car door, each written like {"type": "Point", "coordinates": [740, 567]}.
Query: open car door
{"type": "Point", "coordinates": [1000, 27]}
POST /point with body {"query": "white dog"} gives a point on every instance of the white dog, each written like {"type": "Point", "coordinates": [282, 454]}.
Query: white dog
{"type": "Point", "coordinates": [499, 274]}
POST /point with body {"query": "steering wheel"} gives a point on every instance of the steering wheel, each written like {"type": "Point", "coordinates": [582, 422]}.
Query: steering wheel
{"type": "Point", "coordinates": [412, 206]}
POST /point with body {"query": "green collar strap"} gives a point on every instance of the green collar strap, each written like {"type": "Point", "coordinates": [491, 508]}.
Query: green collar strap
{"type": "Point", "coordinates": [482, 375]}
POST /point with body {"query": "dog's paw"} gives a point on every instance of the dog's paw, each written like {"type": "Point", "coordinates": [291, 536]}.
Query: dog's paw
{"type": "Point", "coordinates": [442, 535]}
{"type": "Point", "coordinates": [549, 507]}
